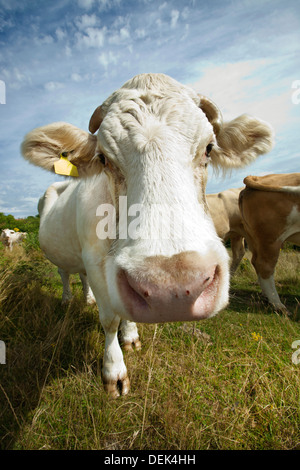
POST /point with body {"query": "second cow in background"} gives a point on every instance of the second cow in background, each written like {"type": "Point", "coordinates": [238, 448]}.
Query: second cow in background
{"type": "Point", "coordinates": [225, 212]}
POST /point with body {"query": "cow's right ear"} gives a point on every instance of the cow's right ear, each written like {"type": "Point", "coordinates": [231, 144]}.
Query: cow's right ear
{"type": "Point", "coordinates": [45, 146]}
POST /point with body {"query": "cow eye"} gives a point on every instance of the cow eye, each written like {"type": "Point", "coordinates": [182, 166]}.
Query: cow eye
{"type": "Point", "coordinates": [208, 149]}
{"type": "Point", "coordinates": [102, 159]}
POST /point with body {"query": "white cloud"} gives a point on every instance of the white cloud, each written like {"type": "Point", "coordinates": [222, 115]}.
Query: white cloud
{"type": "Point", "coordinates": [140, 33]}
{"type": "Point", "coordinates": [124, 33]}
{"type": "Point", "coordinates": [107, 58]}
{"type": "Point", "coordinates": [174, 18]}
{"type": "Point", "coordinates": [29, 199]}
{"type": "Point", "coordinates": [76, 77]}
{"type": "Point", "coordinates": [53, 86]}
{"type": "Point", "coordinates": [102, 4]}
{"type": "Point", "coordinates": [68, 51]}
{"type": "Point", "coordinates": [60, 34]}
{"type": "Point", "coordinates": [242, 87]}
{"type": "Point", "coordinates": [86, 21]}
{"type": "Point", "coordinates": [119, 37]}
{"type": "Point", "coordinates": [86, 4]}
{"type": "Point", "coordinates": [20, 77]}
{"type": "Point", "coordinates": [162, 6]}
{"type": "Point", "coordinates": [93, 37]}
{"type": "Point", "coordinates": [108, 4]}
{"type": "Point", "coordinates": [46, 39]}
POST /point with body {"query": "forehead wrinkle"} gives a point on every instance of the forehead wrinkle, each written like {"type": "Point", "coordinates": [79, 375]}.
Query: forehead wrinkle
{"type": "Point", "coordinates": [143, 122]}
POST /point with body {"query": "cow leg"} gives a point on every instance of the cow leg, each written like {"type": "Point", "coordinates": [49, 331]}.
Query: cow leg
{"type": "Point", "coordinates": [114, 372]}
{"type": "Point", "coordinates": [67, 293]}
{"type": "Point", "coordinates": [269, 290]}
{"type": "Point", "coordinates": [87, 291]}
{"type": "Point", "coordinates": [130, 335]}
{"type": "Point", "coordinates": [238, 251]}
{"type": "Point", "coordinates": [264, 260]}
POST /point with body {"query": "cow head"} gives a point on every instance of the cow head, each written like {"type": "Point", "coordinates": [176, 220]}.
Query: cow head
{"type": "Point", "coordinates": [154, 140]}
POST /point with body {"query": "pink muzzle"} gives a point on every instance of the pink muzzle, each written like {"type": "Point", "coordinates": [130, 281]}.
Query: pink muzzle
{"type": "Point", "coordinates": [179, 288]}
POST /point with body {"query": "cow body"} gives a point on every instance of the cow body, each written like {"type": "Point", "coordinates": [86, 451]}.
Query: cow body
{"type": "Point", "coordinates": [10, 238]}
{"type": "Point", "coordinates": [154, 140]}
{"type": "Point", "coordinates": [225, 212]}
{"type": "Point", "coordinates": [270, 208]}
{"type": "Point", "coordinates": [44, 205]}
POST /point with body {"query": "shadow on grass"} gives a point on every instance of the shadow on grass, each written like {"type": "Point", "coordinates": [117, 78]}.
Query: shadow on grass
{"type": "Point", "coordinates": [43, 340]}
{"type": "Point", "coordinates": [253, 301]}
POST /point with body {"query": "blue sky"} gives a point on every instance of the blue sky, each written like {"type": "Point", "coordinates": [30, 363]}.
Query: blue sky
{"type": "Point", "coordinates": [60, 59]}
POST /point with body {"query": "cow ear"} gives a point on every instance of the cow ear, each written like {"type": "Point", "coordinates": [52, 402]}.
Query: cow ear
{"type": "Point", "coordinates": [95, 120]}
{"type": "Point", "coordinates": [61, 142]}
{"type": "Point", "coordinates": [241, 141]}
{"type": "Point", "coordinates": [212, 113]}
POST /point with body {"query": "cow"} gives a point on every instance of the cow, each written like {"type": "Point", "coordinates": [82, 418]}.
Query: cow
{"type": "Point", "coordinates": [148, 148]}
{"type": "Point", "coordinates": [270, 209]}
{"type": "Point", "coordinates": [57, 189]}
{"type": "Point", "coordinates": [4, 237]}
{"type": "Point", "coordinates": [225, 212]}
{"type": "Point", "coordinates": [10, 238]}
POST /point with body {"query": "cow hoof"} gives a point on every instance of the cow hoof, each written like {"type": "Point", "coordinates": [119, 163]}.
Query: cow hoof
{"type": "Point", "coordinates": [131, 345]}
{"type": "Point", "coordinates": [116, 388]}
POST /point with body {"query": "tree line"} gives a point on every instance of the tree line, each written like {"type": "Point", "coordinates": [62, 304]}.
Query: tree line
{"type": "Point", "coordinates": [29, 224]}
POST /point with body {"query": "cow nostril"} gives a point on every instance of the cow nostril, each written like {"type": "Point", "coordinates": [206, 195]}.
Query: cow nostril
{"type": "Point", "coordinates": [146, 294]}
{"type": "Point", "coordinates": [207, 279]}
{"type": "Point", "coordinates": [187, 292]}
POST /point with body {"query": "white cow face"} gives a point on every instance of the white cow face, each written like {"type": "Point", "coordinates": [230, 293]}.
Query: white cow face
{"type": "Point", "coordinates": [171, 266]}
{"type": "Point", "coordinates": [154, 140]}
{"type": "Point", "coordinates": [167, 262]}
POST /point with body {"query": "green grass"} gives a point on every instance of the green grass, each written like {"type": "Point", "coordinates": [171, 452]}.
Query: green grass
{"type": "Point", "coordinates": [224, 383]}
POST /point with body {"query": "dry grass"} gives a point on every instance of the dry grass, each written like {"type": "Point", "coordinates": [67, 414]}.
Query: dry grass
{"type": "Point", "coordinates": [225, 383]}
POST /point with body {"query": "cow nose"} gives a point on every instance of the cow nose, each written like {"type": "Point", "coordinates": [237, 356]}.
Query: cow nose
{"type": "Point", "coordinates": [180, 288]}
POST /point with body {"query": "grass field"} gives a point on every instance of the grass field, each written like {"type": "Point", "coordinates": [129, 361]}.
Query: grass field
{"type": "Point", "coordinates": [224, 383]}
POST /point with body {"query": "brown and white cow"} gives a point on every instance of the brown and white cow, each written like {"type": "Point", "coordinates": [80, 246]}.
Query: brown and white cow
{"type": "Point", "coordinates": [270, 208]}
{"type": "Point", "coordinates": [115, 222]}
{"type": "Point", "coordinates": [225, 212]}
{"type": "Point", "coordinates": [9, 238]}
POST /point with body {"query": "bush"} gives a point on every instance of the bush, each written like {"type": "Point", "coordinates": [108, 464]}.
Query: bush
{"type": "Point", "coordinates": [29, 224]}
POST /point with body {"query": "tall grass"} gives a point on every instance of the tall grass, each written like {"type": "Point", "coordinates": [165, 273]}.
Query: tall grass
{"type": "Point", "coordinates": [224, 383]}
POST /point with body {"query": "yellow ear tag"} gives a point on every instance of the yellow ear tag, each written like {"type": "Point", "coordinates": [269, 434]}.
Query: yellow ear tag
{"type": "Point", "coordinates": [64, 167]}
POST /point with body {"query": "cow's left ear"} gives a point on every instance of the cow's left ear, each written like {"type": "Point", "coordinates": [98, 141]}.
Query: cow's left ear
{"type": "Point", "coordinates": [212, 113]}
{"type": "Point", "coordinates": [241, 141]}
{"type": "Point", "coordinates": [96, 120]}
{"type": "Point", "coordinates": [61, 142]}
